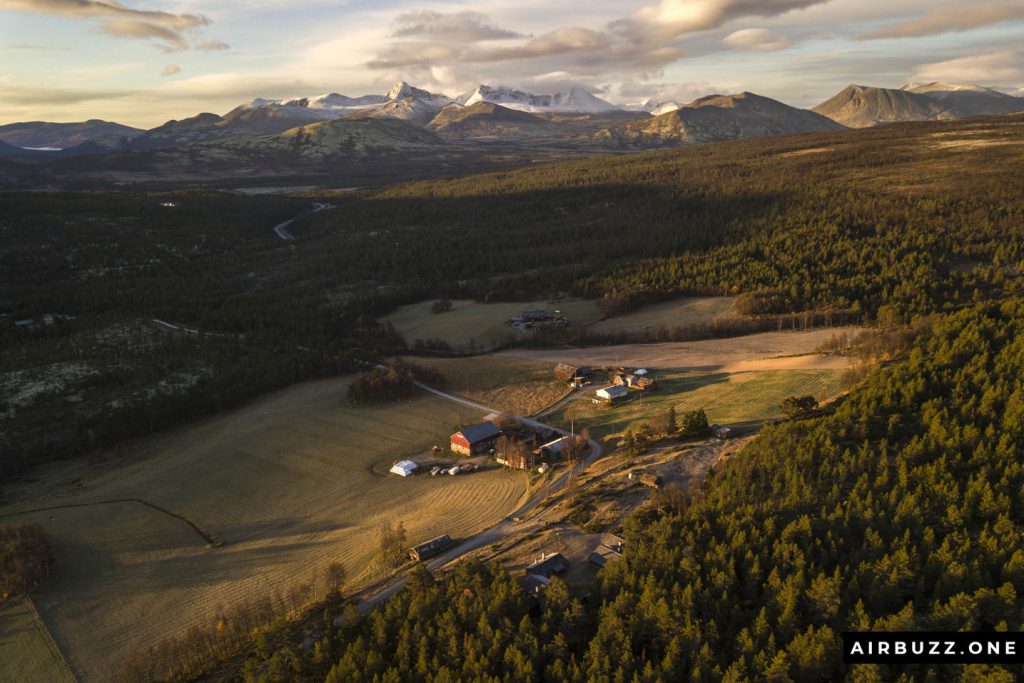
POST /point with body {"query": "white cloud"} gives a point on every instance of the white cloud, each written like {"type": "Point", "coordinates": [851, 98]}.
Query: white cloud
{"type": "Point", "coordinates": [953, 18]}
{"type": "Point", "coordinates": [118, 20]}
{"type": "Point", "coordinates": [1006, 66]}
{"type": "Point", "coordinates": [171, 70]}
{"type": "Point", "coordinates": [756, 40]}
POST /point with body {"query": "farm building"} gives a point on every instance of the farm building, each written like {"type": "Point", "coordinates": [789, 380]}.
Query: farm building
{"type": "Point", "coordinates": [522, 460]}
{"type": "Point", "coordinates": [548, 565]}
{"type": "Point", "coordinates": [533, 584]}
{"type": "Point", "coordinates": [404, 468]}
{"type": "Point", "coordinates": [475, 440]}
{"type": "Point", "coordinates": [611, 394]}
{"type": "Point", "coordinates": [602, 555]}
{"type": "Point", "coordinates": [636, 381]}
{"type": "Point", "coordinates": [571, 373]}
{"type": "Point", "coordinates": [434, 546]}
{"type": "Point", "coordinates": [722, 432]}
{"type": "Point", "coordinates": [554, 448]}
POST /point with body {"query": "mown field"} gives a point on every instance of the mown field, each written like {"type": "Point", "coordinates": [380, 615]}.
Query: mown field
{"type": "Point", "coordinates": [514, 385]}
{"type": "Point", "coordinates": [476, 326]}
{"type": "Point", "coordinates": [288, 484]}
{"type": "Point", "coordinates": [667, 315]}
{"type": "Point", "coordinates": [728, 398]}
{"type": "Point", "coordinates": [26, 651]}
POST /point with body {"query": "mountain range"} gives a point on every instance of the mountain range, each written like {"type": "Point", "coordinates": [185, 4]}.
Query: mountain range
{"type": "Point", "coordinates": [285, 134]}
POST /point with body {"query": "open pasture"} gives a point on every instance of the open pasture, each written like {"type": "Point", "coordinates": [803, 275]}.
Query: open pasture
{"type": "Point", "coordinates": [26, 650]}
{"type": "Point", "coordinates": [668, 315]}
{"type": "Point", "coordinates": [287, 484]}
{"type": "Point", "coordinates": [475, 326]}
{"type": "Point", "coordinates": [727, 398]}
{"type": "Point", "coordinates": [514, 385]}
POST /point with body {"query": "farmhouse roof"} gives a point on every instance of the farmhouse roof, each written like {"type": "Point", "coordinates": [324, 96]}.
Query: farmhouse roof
{"type": "Point", "coordinates": [548, 565]}
{"type": "Point", "coordinates": [614, 391]}
{"type": "Point", "coordinates": [480, 432]}
{"type": "Point", "coordinates": [404, 467]}
{"type": "Point", "coordinates": [433, 545]}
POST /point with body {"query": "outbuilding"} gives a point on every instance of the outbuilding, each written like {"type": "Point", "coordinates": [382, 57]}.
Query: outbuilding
{"type": "Point", "coordinates": [431, 548]}
{"type": "Point", "coordinates": [612, 394]}
{"type": "Point", "coordinates": [404, 468]}
{"type": "Point", "coordinates": [475, 440]}
{"type": "Point", "coordinates": [722, 432]}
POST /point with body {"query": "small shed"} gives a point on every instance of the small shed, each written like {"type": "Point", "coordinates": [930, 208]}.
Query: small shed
{"type": "Point", "coordinates": [431, 548]}
{"type": "Point", "coordinates": [476, 439]}
{"type": "Point", "coordinates": [611, 394]}
{"type": "Point", "coordinates": [722, 432]}
{"type": "Point", "coordinates": [548, 565]}
{"type": "Point", "coordinates": [404, 468]}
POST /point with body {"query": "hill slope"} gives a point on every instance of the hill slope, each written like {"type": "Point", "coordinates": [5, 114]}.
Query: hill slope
{"type": "Point", "coordinates": [969, 100]}
{"type": "Point", "coordinates": [486, 120]}
{"type": "Point", "coordinates": [859, 106]}
{"type": "Point", "coordinates": [63, 135]}
{"type": "Point", "coordinates": [719, 117]}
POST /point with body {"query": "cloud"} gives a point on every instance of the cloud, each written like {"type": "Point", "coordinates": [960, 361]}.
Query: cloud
{"type": "Point", "coordinates": [467, 27]}
{"type": "Point", "coordinates": [681, 93]}
{"type": "Point", "coordinates": [951, 19]}
{"type": "Point", "coordinates": [672, 18]}
{"type": "Point", "coordinates": [118, 20]}
{"type": "Point", "coordinates": [213, 46]}
{"type": "Point", "coordinates": [32, 46]}
{"type": "Point", "coordinates": [557, 42]}
{"type": "Point", "coordinates": [756, 40]}
{"type": "Point", "coordinates": [1006, 66]}
{"type": "Point", "coordinates": [170, 70]}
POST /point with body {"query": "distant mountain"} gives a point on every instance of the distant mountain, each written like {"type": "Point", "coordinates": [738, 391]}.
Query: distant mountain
{"type": "Point", "coordinates": [653, 107]}
{"type": "Point", "coordinates": [969, 100]}
{"type": "Point", "coordinates": [402, 91]}
{"type": "Point", "coordinates": [43, 134]}
{"type": "Point", "coordinates": [414, 110]}
{"type": "Point", "coordinates": [486, 120]}
{"type": "Point", "coordinates": [574, 99]}
{"type": "Point", "coordinates": [859, 106]}
{"type": "Point", "coordinates": [719, 117]}
{"type": "Point", "coordinates": [339, 138]}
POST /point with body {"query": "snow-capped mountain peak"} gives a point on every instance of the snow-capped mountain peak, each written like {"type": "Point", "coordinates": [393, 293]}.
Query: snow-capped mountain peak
{"type": "Point", "coordinates": [575, 99]}
{"type": "Point", "coordinates": [402, 90]}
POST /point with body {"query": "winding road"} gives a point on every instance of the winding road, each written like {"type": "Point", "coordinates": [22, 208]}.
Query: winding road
{"type": "Point", "coordinates": [281, 229]}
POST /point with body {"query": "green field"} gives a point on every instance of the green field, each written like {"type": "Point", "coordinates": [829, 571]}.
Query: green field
{"type": "Point", "coordinates": [727, 398]}
{"type": "Point", "coordinates": [27, 652]}
{"type": "Point", "coordinates": [668, 315]}
{"type": "Point", "coordinates": [513, 385]}
{"type": "Point", "coordinates": [471, 325]}
{"type": "Point", "coordinates": [287, 484]}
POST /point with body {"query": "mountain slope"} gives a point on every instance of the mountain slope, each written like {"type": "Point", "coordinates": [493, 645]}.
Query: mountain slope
{"type": "Point", "coordinates": [485, 120]}
{"type": "Point", "coordinates": [859, 106]}
{"type": "Point", "coordinates": [719, 117]}
{"type": "Point", "coordinates": [969, 100]}
{"type": "Point", "coordinates": [574, 99]}
{"type": "Point", "coordinates": [63, 135]}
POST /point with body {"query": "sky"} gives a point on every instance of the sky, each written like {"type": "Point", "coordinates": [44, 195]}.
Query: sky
{"type": "Point", "coordinates": [143, 62]}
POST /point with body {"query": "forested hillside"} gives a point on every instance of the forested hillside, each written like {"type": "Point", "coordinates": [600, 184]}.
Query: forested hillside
{"type": "Point", "coordinates": [898, 511]}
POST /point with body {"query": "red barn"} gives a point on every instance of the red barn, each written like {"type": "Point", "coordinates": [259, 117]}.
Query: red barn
{"type": "Point", "coordinates": [476, 439]}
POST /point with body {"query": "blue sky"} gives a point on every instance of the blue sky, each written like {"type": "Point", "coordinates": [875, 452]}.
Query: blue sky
{"type": "Point", "coordinates": [142, 63]}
